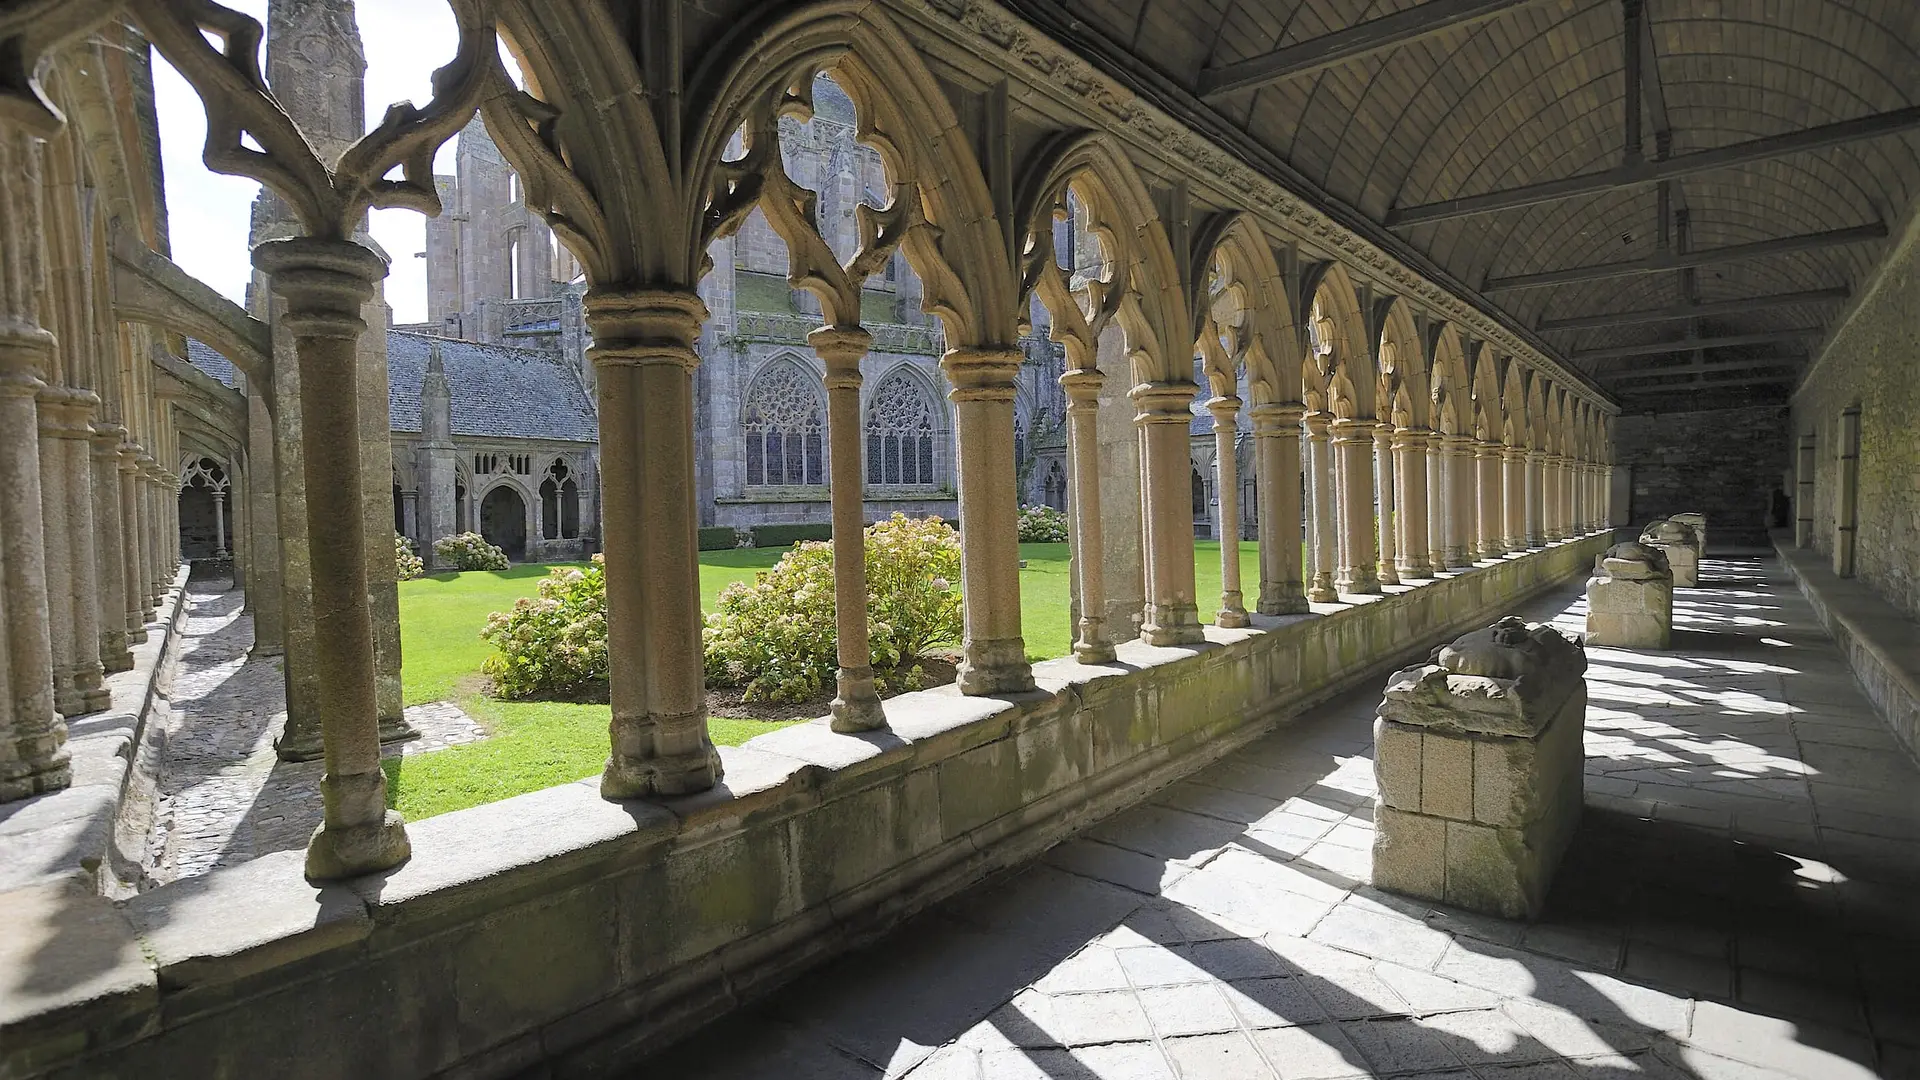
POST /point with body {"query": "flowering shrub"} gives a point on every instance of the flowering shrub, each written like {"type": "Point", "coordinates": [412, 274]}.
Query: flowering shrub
{"type": "Point", "coordinates": [468, 551]}
{"type": "Point", "coordinates": [1042, 525]}
{"type": "Point", "coordinates": [406, 565]}
{"type": "Point", "coordinates": [775, 637]}
{"type": "Point", "coordinates": [554, 643]}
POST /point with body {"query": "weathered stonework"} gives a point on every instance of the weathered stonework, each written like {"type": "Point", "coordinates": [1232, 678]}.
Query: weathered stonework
{"type": "Point", "coordinates": [1698, 523]}
{"type": "Point", "coordinates": [1630, 599]}
{"type": "Point", "coordinates": [1722, 463]}
{"type": "Point", "coordinates": [1681, 545]}
{"type": "Point", "coordinates": [1479, 761]}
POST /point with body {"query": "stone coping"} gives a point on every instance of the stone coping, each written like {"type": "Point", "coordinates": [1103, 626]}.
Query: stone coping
{"type": "Point", "coordinates": [556, 927]}
{"type": "Point", "coordinates": [72, 833]}
{"type": "Point", "coordinates": [1881, 644]}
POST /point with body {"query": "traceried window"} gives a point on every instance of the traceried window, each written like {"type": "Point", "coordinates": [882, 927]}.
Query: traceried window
{"type": "Point", "coordinates": [785, 426]}
{"type": "Point", "coordinates": [900, 434]}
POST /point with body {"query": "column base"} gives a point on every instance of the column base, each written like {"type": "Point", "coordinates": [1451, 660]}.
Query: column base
{"type": "Point", "coordinates": [298, 745]}
{"type": "Point", "coordinates": [1176, 625]}
{"type": "Point", "coordinates": [1092, 646]}
{"type": "Point", "coordinates": [1415, 568]}
{"type": "Point", "coordinates": [354, 850]}
{"type": "Point", "coordinates": [857, 706]}
{"type": "Point", "coordinates": [53, 774]}
{"type": "Point", "coordinates": [1231, 619]}
{"type": "Point", "coordinates": [114, 654]}
{"type": "Point", "coordinates": [1284, 600]}
{"type": "Point", "coordinates": [1322, 590]}
{"type": "Point", "coordinates": [1356, 582]}
{"type": "Point", "coordinates": [644, 774]}
{"type": "Point", "coordinates": [397, 730]}
{"type": "Point", "coordinates": [995, 666]}
{"type": "Point", "coordinates": [1387, 574]}
{"type": "Point", "coordinates": [137, 636]}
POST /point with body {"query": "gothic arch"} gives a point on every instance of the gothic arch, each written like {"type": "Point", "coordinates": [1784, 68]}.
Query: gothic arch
{"type": "Point", "coordinates": [1403, 370]}
{"type": "Point", "coordinates": [783, 422]}
{"type": "Point", "coordinates": [1452, 407]}
{"type": "Point", "coordinates": [1513, 399]}
{"type": "Point", "coordinates": [902, 425]}
{"type": "Point", "coordinates": [1237, 257]}
{"type": "Point", "coordinates": [1346, 368]}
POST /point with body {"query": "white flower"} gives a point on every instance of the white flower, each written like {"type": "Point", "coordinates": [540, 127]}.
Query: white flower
{"type": "Point", "coordinates": [942, 584]}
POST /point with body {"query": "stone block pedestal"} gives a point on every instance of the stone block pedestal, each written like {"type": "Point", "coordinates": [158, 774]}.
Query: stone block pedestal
{"type": "Point", "coordinates": [1698, 523]}
{"type": "Point", "coordinates": [1479, 758]}
{"type": "Point", "coordinates": [1681, 545]}
{"type": "Point", "coordinates": [1630, 599]}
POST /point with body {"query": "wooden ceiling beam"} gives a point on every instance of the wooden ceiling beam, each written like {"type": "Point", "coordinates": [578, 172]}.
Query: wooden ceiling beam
{"type": "Point", "coordinates": [1667, 261]}
{"type": "Point", "coordinates": [1620, 379]}
{"type": "Point", "coordinates": [1693, 311]}
{"type": "Point", "coordinates": [1656, 348]}
{"type": "Point", "coordinates": [1695, 384]}
{"type": "Point", "coordinates": [1364, 39]}
{"type": "Point", "coordinates": [1642, 173]}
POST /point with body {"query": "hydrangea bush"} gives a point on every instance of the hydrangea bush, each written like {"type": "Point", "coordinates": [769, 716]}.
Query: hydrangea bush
{"type": "Point", "coordinates": [554, 643]}
{"type": "Point", "coordinates": [1042, 525]}
{"type": "Point", "coordinates": [468, 551]}
{"type": "Point", "coordinates": [406, 565]}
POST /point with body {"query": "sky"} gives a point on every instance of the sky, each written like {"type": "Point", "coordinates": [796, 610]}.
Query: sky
{"type": "Point", "coordinates": [208, 213]}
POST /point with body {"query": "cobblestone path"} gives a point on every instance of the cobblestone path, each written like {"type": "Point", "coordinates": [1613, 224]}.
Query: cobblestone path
{"type": "Point", "coordinates": [224, 797]}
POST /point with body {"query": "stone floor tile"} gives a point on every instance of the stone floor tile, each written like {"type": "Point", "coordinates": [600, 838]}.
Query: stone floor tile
{"type": "Point", "coordinates": [1558, 1070]}
{"type": "Point", "coordinates": [1426, 993]}
{"type": "Point", "coordinates": [1592, 946]}
{"type": "Point", "coordinates": [1116, 865]}
{"type": "Point", "coordinates": [1799, 1049]}
{"type": "Point", "coordinates": [1265, 873]}
{"type": "Point", "coordinates": [1215, 802]}
{"type": "Point", "coordinates": [1834, 1004]}
{"type": "Point", "coordinates": [1264, 1003]}
{"type": "Point", "coordinates": [1112, 1016]}
{"type": "Point", "coordinates": [1227, 1056]}
{"type": "Point", "coordinates": [1199, 1009]}
{"type": "Point", "coordinates": [1398, 1046]}
{"type": "Point", "coordinates": [1314, 1052]}
{"type": "Point", "coordinates": [949, 1063]}
{"type": "Point", "coordinates": [1710, 976]}
{"type": "Point", "coordinates": [1572, 1036]}
{"type": "Point", "coordinates": [1354, 864]}
{"type": "Point", "coordinates": [1161, 965]}
{"type": "Point", "coordinates": [1093, 968]}
{"type": "Point", "coordinates": [1120, 1061]}
{"type": "Point", "coordinates": [1354, 995]}
{"type": "Point", "coordinates": [1269, 910]}
{"type": "Point", "coordinates": [1165, 833]}
{"type": "Point", "coordinates": [1239, 958]}
{"type": "Point", "coordinates": [1486, 1036]}
{"type": "Point", "coordinates": [1021, 1065]}
{"type": "Point", "coordinates": [1405, 941]}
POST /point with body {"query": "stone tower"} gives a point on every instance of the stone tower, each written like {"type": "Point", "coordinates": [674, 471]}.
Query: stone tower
{"type": "Point", "coordinates": [487, 248]}
{"type": "Point", "coordinates": [435, 463]}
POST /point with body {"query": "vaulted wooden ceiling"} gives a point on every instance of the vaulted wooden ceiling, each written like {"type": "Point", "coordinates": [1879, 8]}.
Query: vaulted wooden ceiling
{"type": "Point", "coordinates": [1406, 110]}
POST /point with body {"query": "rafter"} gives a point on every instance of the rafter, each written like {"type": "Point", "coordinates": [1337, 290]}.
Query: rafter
{"type": "Point", "coordinates": [1656, 348]}
{"type": "Point", "coordinates": [1660, 263]}
{"type": "Point", "coordinates": [1720, 381]}
{"type": "Point", "coordinates": [1693, 311]}
{"type": "Point", "coordinates": [1643, 173]}
{"type": "Point", "coordinates": [1620, 379]}
{"type": "Point", "coordinates": [1364, 39]}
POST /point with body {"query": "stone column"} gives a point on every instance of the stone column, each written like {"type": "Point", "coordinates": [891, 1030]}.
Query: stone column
{"type": "Point", "coordinates": [1411, 516]}
{"type": "Point", "coordinates": [1092, 643]}
{"type": "Point", "coordinates": [1386, 521]}
{"type": "Point", "coordinates": [1536, 525]}
{"type": "Point", "coordinates": [109, 541]}
{"type": "Point", "coordinates": [265, 575]}
{"type": "Point", "coordinates": [1550, 497]}
{"type": "Point", "coordinates": [132, 541]}
{"type": "Point", "coordinates": [220, 525]}
{"type": "Point", "coordinates": [1320, 451]}
{"type": "Point", "coordinates": [1353, 442]}
{"type": "Point", "coordinates": [1226, 467]}
{"type": "Point", "coordinates": [856, 705]}
{"type": "Point", "coordinates": [1804, 465]}
{"type": "Point", "coordinates": [1515, 488]}
{"type": "Point", "coordinates": [1276, 444]}
{"type": "Point", "coordinates": [1489, 543]}
{"type": "Point", "coordinates": [994, 659]}
{"type": "Point", "coordinates": [1164, 415]}
{"type": "Point", "coordinates": [644, 359]}
{"type": "Point", "coordinates": [66, 491]}
{"type": "Point", "coordinates": [324, 284]}
{"type": "Point", "coordinates": [1461, 501]}
{"type": "Point", "coordinates": [153, 535]}
{"type": "Point", "coordinates": [1567, 519]}
{"type": "Point", "coordinates": [1438, 502]}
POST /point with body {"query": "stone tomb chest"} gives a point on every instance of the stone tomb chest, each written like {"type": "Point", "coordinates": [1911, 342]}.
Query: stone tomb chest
{"type": "Point", "coordinates": [1681, 545]}
{"type": "Point", "coordinates": [1630, 598]}
{"type": "Point", "coordinates": [1479, 758]}
{"type": "Point", "coordinates": [1698, 523]}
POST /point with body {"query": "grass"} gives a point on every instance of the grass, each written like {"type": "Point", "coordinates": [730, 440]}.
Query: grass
{"type": "Point", "coordinates": [538, 744]}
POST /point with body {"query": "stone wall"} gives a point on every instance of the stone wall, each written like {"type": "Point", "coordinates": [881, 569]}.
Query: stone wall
{"type": "Point", "coordinates": [562, 932]}
{"type": "Point", "coordinates": [1724, 463]}
{"type": "Point", "coordinates": [1871, 362]}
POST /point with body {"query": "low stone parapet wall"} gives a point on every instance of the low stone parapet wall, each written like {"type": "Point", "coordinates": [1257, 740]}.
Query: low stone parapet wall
{"type": "Point", "coordinates": [557, 929]}
{"type": "Point", "coordinates": [1877, 639]}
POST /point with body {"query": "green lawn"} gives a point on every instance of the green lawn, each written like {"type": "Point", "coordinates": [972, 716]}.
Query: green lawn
{"type": "Point", "coordinates": [540, 744]}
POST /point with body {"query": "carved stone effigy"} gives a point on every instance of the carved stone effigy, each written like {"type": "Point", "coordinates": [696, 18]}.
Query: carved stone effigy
{"type": "Point", "coordinates": [1479, 759]}
{"type": "Point", "coordinates": [1699, 524]}
{"type": "Point", "coordinates": [1630, 598]}
{"type": "Point", "coordinates": [1681, 545]}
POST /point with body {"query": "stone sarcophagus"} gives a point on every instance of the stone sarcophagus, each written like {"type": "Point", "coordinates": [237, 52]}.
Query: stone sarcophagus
{"type": "Point", "coordinates": [1698, 523]}
{"type": "Point", "coordinates": [1479, 759]}
{"type": "Point", "coordinates": [1630, 598]}
{"type": "Point", "coordinates": [1681, 545]}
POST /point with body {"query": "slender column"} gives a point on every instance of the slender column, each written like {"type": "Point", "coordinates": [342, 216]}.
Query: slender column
{"type": "Point", "coordinates": [1320, 449]}
{"type": "Point", "coordinates": [1353, 442]}
{"type": "Point", "coordinates": [1515, 485]}
{"type": "Point", "coordinates": [265, 571]}
{"type": "Point", "coordinates": [66, 490]}
{"type": "Point", "coordinates": [1226, 466]}
{"type": "Point", "coordinates": [1164, 416]}
{"type": "Point", "coordinates": [856, 706]}
{"type": "Point", "coordinates": [1437, 502]}
{"type": "Point", "coordinates": [220, 525]}
{"type": "Point", "coordinates": [1460, 500]}
{"type": "Point", "coordinates": [1550, 489]}
{"type": "Point", "coordinates": [1536, 524]}
{"type": "Point", "coordinates": [1385, 485]}
{"type": "Point", "coordinates": [1092, 643]}
{"type": "Point", "coordinates": [1846, 504]}
{"type": "Point", "coordinates": [1276, 443]}
{"type": "Point", "coordinates": [109, 544]}
{"type": "Point", "coordinates": [132, 542]}
{"type": "Point", "coordinates": [1488, 542]}
{"type": "Point", "coordinates": [1803, 493]}
{"type": "Point", "coordinates": [1410, 501]}
{"type": "Point", "coordinates": [644, 358]}
{"type": "Point", "coordinates": [1567, 519]}
{"type": "Point", "coordinates": [324, 283]}
{"type": "Point", "coordinates": [152, 536]}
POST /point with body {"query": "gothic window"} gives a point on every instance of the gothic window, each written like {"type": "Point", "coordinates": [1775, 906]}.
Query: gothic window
{"type": "Point", "coordinates": [569, 509]}
{"type": "Point", "coordinates": [1199, 496]}
{"type": "Point", "coordinates": [785, 425]}
{"type": "Point", "coordinates": [559, 503]}
{"type": "Point", "coordinates": [1055, 487]}
{"type": "Point", "coordinates": [900, 434]}
{"type": "Point", "coordinates": [549, 510]}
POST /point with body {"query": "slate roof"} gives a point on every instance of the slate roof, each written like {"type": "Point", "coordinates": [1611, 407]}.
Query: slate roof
{"type": "Point", "coordinates": [498, 391]}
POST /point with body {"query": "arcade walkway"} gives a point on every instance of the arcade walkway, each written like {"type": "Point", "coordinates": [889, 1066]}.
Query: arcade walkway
{"type": "Point", "coordinates": [1738, 904]}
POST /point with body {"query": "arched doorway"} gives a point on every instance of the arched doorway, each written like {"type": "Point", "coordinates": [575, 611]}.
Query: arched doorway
{"type": "Point", "coordinates": [503, 521]}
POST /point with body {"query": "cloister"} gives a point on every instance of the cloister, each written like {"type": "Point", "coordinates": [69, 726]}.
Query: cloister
{"type": "Point", "coordinates": [1422, 246]}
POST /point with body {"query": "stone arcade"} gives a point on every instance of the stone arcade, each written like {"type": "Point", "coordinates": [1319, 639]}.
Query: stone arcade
{"type": "Point", "coordinates": [1427, 290]}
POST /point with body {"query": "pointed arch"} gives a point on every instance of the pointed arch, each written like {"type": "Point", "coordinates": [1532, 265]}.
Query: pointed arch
{"type": "Point", "coordinates": [1347, 362]}
{"type": "Point", "coordinates": [903, 420]}
{"type": "Point", "coordinates": [1452, 412]}
{"type": "Point", "coordinates": [783, 422]}
{"type": "Point", "coordinates": [1237, 266]}
{"type": "Point", "coordinates": [1403, 367]}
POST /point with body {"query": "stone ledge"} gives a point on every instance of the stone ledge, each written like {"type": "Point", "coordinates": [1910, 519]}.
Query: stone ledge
{"type": "Point", "coordinates": [561, 927]}
{"type": "Point", "coordinates": [1881, 644]}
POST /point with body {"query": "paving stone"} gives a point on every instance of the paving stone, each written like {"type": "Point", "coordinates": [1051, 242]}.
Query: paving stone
{"type": "Point", "coordinates": [1263, 1003]}
{"type": "Point", "coordinates": [1800, 1049]}
{"type": "Point", "coordinates": [1228, 1056]}
{"type": "Point", "coordinates": [1405, 941]}
{"type": "Point", "coordinates": [1315, 1052]}
{"type": "Point", "coordinates": [1397, 1046]}
{"type": "Point", "coordinates": [1121, 1061]}
{"type": "Point", "coordinates": [1112, 1016]}
{"type": "Point", "coordinates": [1198, 1009]}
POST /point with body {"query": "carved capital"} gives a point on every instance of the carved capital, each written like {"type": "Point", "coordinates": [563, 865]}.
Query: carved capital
{"type": "Point", "coordinates": [982, 374]}
{"type": "Point", "coordinates": [325, 282]}
{"type": "Point", "coordinates": [644, 327]}
{"type": "Point", "coordinates": [1163, 402]}
{"type": "Point", "coordinates": [1277, 419]}
{"type": "Point", "coordinates": [67, 413]}
{"type": "Point", "coordinates": [1083, 385]}
{"type": "Point", "coordinates": [841, 348]}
